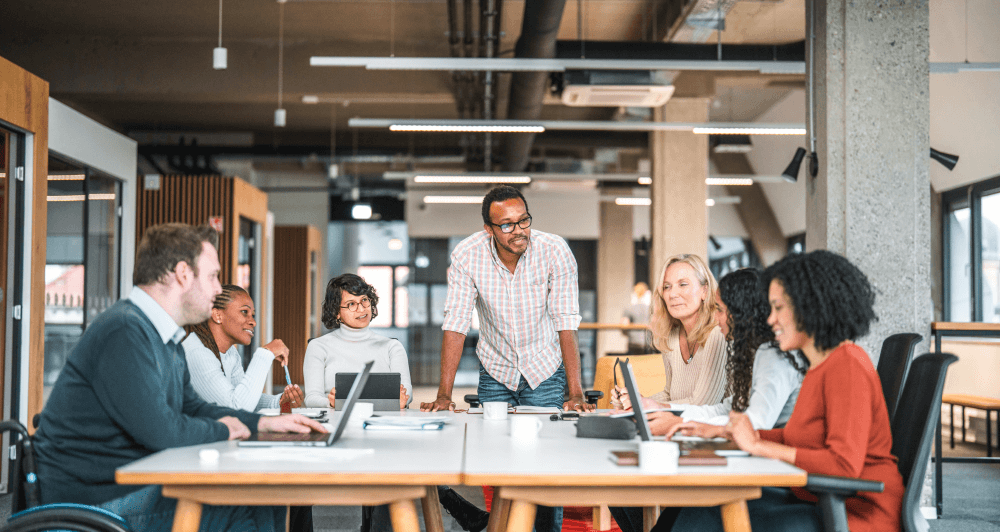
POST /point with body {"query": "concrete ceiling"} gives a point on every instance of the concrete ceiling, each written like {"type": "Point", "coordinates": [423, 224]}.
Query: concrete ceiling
{"type": "Point", "coordinates": [144, 67]}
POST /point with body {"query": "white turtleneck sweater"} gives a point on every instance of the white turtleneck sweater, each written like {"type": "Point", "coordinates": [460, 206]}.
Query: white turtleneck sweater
{"type": "Point", "coordinates": [346, 350]}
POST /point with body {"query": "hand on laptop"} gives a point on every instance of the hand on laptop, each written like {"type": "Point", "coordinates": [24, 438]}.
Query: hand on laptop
{"type": "Point", "coordinates": [288, 423]}
{"type": "Point", "coordinates": [293, 395]}
{"type": "Point", "coordinates": [694, 428]}
{"type": "Point", "coordinates": [237, 430]}
{"type": "Point", "coordinates": [662, 422]}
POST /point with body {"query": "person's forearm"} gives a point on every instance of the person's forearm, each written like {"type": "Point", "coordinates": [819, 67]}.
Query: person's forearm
{"type": "Point", "coordinates": [571, 361]}
{"type": "Point", "coordinates": [770, 449]}
{"type": "Point", "coordinates": [451, 354]}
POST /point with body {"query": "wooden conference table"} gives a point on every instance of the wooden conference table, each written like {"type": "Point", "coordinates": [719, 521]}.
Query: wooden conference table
{"type": "Point", "coordinates": [554, 469]}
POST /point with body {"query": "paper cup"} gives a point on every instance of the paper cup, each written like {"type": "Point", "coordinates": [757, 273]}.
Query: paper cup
{"type": "Point", "coordinates": [658, 457]}
{"type": "Point", "coordinates": [524, 428]}
{"type": "Point", "coordinates": [360, 413]}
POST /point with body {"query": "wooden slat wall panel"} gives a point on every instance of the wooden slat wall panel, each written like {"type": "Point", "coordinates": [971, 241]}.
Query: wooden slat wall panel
{"type": "Point", "coordinates": [291, 296]}
{"type": "Point", "coordinates": [24, 102]}
{"type": "Point", "coordinates": [191, 200]}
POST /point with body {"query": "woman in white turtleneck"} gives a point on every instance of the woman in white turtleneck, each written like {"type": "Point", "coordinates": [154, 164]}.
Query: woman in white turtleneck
{"type": "Point", "coordinates": [348, 309]}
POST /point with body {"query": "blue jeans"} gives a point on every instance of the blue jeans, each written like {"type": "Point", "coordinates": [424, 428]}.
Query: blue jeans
{"type": "Point", "coordinates": [776, 509]}
{"type": "Point", "coordinates": [550, 392]}
{"type": "Point", "coordinates": [147, 510]}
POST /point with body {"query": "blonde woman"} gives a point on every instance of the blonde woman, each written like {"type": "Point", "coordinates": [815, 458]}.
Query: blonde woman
{"type": "Point", "coordinates": [687, 335]}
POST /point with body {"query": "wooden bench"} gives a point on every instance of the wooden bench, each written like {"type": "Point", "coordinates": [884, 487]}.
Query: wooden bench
{"type": "Point", "coordinates": [986, 404]}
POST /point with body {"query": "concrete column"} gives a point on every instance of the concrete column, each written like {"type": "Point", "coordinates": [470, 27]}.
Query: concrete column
{"type": "Point", "coordinates": [871, 199]}
{"type": "Point", "coordinates": [615, 269]}
{"type": "Point", "coordinates": [679, 217]}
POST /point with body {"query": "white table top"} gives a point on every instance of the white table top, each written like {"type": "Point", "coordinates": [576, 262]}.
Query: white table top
{"type": "Point", "coordinates": [558, 457]}
{"type": "Point", "coordinates": [359, 457]}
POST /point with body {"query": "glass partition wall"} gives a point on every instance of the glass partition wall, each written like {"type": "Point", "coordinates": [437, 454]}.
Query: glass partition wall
{"type": "Point", "coordinates": [82, 259]}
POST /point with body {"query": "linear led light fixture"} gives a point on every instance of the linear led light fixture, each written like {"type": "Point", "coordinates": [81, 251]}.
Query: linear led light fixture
{"type": "Point", "coordinates": [81, 197]}
{"type": "Point", "coordinates": [743, 179]}
{"type": "Point", "coordinates": [67, 177]}
{"type": "Point", "coordinates": [442, 179]}
{"type": "Point", "coordinates": [955, 68]}
{"type": "Point", "coordinates": [537, 126]}
{"type": "Point", "coordinates": [645, 180]}
{"type": "Point", "coordinates": [642, 202]}
{"type": "Point", "coordinates": [553, 65]}
{"type": "Point", "coordinates": [486, 128]}
{"type": "Point", "coordinates": [633, 201]}
{"type": "Point", "coordinates": [729, 181]}
{"type": "Point", "coordinates": [453, 199]}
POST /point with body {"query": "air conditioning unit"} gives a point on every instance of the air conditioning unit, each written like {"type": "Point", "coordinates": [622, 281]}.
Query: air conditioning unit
{"type": "Point", "coordinates": [614, 89]}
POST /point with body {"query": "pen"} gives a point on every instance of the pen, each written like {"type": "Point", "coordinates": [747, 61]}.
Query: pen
{"type": "Point", "coordinates": [288, 378]}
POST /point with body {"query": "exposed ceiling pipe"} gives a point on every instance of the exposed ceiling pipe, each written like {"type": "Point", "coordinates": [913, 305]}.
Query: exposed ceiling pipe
{"type": "Point", "coordinates": [795, 51]}
{"type": "Point", "coordinates": [539, 30]}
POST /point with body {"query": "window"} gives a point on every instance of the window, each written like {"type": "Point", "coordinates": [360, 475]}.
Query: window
{"type": "Point", "coordinates": [971, 241]}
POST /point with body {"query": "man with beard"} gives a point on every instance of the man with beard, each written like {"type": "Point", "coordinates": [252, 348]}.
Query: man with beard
{"type": "Point", "coordinates": [126, 393]}
{"type": "Point", "coordinates": [524, 286]}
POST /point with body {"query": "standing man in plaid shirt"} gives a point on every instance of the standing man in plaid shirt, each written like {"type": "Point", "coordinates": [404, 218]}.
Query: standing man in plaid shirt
{"type": "Point", "coordinates": [524, 286]}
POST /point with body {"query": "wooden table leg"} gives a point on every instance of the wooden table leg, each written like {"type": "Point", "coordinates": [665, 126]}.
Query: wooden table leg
{"type": "Point", "coordinates": [187, 516]}
{"type": "Point", "coordinates": [649, 516]}
{"type": "Point", "coordinates": [522, 516]}
{"type": "Point", "coordinates": [735, 517]}
{"type": "Point", "coordinates": [602, 518]}
{"type": "Point", "coordinates": [403, 515]}
{"type": "Point", "coordinates": [432, 511]}
{"type": "Point", "coordinates": [499, 508]}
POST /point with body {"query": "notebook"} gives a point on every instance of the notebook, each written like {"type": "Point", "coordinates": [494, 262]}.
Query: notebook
{"type": "Point", "coordinates": [315, 439]}
{"type": "Point", "coordinates": [382, 390]}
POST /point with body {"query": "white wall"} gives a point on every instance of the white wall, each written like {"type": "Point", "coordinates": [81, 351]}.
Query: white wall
{"type": "Point", "coordinates": [965, 107]}
{"type": "Point", "coordinates": [74, 136]}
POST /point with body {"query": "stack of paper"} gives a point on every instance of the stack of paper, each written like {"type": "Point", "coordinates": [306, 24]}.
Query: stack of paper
{"type": "Point", "coordinates": [405, 423]}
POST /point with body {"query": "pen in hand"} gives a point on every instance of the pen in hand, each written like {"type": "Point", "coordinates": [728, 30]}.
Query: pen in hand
{"type": "Point", "coordinates": [288, 378]}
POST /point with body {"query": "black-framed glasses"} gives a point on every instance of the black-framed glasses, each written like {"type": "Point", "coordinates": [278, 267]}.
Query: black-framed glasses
{"type": "Point", "coordinates": [523, 223]}
{"type": "Point", "coordinates": [353, 305]}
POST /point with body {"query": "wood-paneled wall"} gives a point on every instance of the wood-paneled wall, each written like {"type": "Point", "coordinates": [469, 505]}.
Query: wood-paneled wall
{"type": "Point", "coordinates": [296, 296]}
{"type": "Point", "coordinates": [195, 199]}
{"type": "Point", "coordinates": [24, 103]}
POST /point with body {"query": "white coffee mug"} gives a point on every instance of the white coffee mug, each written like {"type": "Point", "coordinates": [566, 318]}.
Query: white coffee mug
{"type": "Point", "coordinates": [658, 457]}
{"type": "Point", "coordinates": [525, 428]}
{"type": "Point", "coordinates": [495, 410]}
{"type": "Point", "coordinates": [360, 413]}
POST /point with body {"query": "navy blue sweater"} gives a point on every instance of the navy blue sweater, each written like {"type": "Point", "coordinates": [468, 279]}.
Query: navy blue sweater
{"type": "Point", "coordinates": [122, 395]}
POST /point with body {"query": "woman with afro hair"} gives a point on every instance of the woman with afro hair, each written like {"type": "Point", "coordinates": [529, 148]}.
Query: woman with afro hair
{"type": "Point", "coordinates": [821, 303]}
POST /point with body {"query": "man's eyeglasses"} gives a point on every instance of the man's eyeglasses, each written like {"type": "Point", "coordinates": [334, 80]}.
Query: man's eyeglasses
{"type": "Point", "coordinates": [353, 305]}
{"type": "Point", "coordinates": [523, 223]}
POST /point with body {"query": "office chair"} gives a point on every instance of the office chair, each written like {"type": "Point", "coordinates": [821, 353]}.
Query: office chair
{"type": "Point", "coordinates": [28, 516]}
{"type": "Point", "coordinates": [912, 435]}
{"type": "Point", "coordinates": [893, 364]}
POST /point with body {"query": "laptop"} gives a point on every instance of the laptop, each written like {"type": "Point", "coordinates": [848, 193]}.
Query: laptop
{"type": "Point", "coordinates": [382, 390]}
{"type": "Point", "coordinates": [633, 392]}
{"type": "Point", "coordinates": [315, 439]}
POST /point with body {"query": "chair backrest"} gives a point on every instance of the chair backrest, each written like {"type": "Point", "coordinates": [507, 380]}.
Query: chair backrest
{"type": "Point", "coordinates": [648, 369]}
{"type": "Point", "coordinates": [22, 478]}
{"type": "Point", "coordinates": [893, 363]}
{"type": "Point", "coordinates": [913, 429]}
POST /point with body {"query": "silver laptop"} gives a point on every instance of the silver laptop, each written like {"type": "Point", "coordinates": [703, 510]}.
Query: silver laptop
{"type": "Point", "coordinates": [633, 393]}
{"type": "Point", "coordinates": [381, 390]}
{"type": "Point", "coordinates": [314, 439]}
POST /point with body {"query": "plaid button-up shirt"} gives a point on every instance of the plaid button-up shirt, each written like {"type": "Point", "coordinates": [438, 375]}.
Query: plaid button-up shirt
{"type": "Point", "coordinates": [520, 312]}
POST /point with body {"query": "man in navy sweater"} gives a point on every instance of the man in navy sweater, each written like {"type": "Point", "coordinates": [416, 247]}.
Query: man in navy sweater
{"type": "Point", "coordinates": [125, 392]}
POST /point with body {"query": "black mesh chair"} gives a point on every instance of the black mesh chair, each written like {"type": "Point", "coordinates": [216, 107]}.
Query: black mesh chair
{"type": "Point", "coordinates": [893, 363]}
{"type": "Point", "coordinates": [28, 516]}
{"type": "Point", "coordinates": [912, 435]}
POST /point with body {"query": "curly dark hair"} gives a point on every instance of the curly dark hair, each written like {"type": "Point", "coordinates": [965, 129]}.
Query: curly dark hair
{"type": "Point", "coordinates": [747, 309]}
{"type": "Point", "coordinates": [831, 298]}
{"type": "Point", "coordinates": [499, 194]}
{"type": "Point", "coordinates": [354, 285]}
{"type": "Point", "coordinates": [221, 302]}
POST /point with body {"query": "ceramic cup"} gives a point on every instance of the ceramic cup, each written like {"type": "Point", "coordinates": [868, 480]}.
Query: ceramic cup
{"type": "Point", "coordinates": [658, 457]}
{"type": "Point", "coordinates": [525, 428]}
{"type": "Point", "coordinates": [360, 413]}
{"type": "Point", "coordinates": [495, 410]}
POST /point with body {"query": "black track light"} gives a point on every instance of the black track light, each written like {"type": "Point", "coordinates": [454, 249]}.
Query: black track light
{"type": "Point", "coordinates": [946, 159]}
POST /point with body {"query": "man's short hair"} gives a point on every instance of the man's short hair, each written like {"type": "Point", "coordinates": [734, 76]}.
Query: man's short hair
{"type": "Point", "coordinates": [163, 246]}
{"type": "Point", "coordinates": [499, 194]}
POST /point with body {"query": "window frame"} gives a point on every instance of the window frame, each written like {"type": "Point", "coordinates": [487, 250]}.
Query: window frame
{"type": "Point", "coordinates": [970, 196]}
